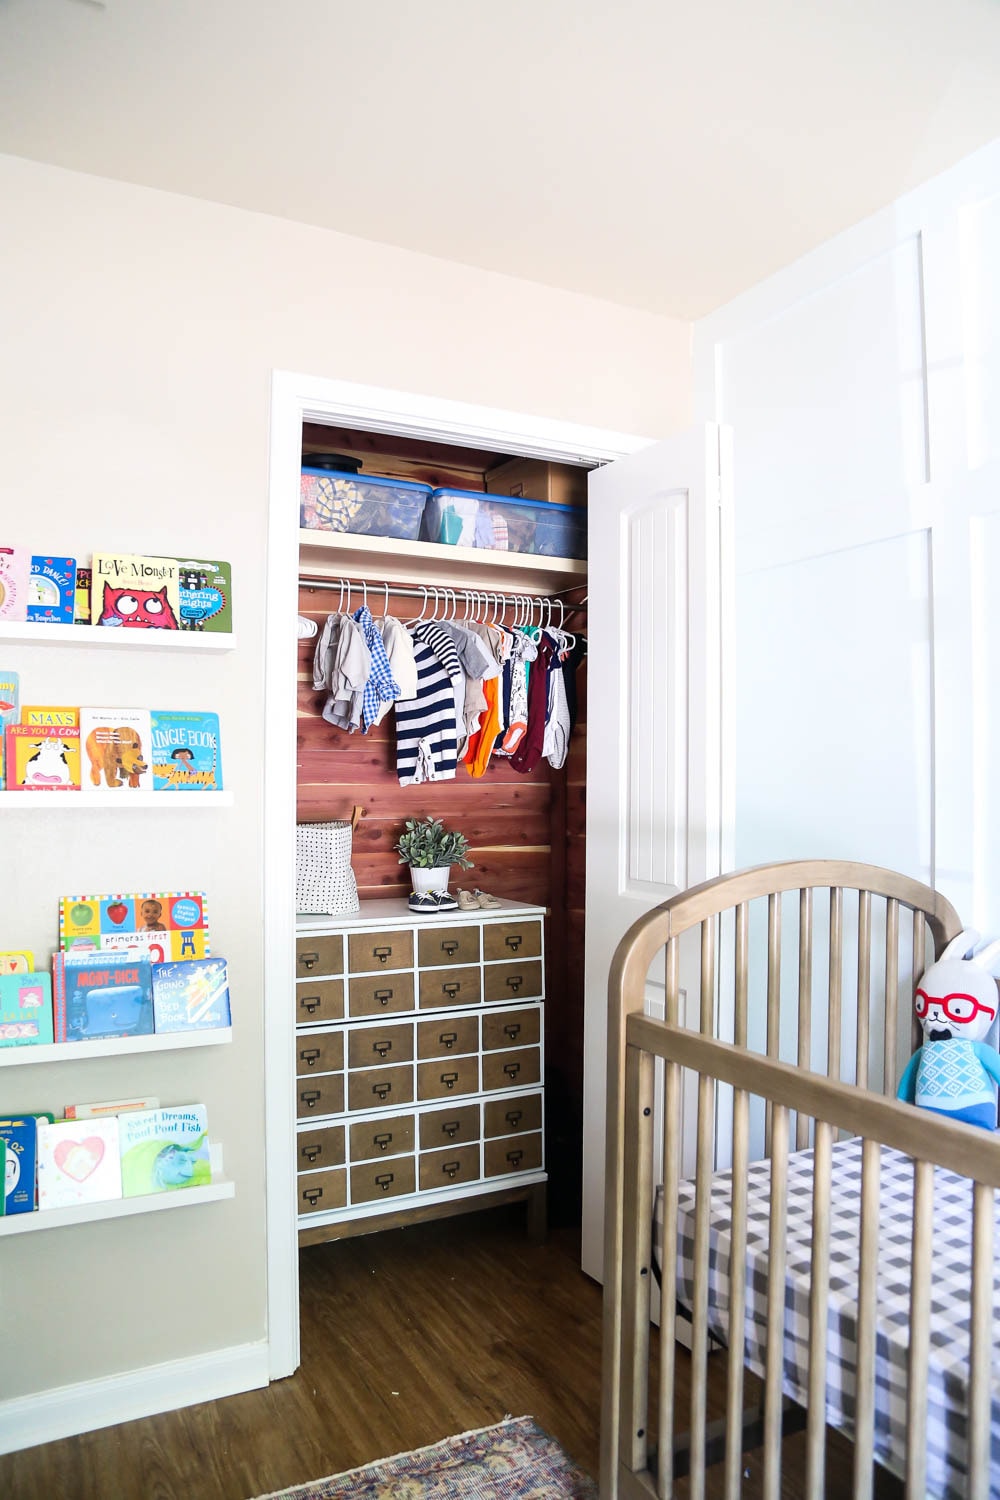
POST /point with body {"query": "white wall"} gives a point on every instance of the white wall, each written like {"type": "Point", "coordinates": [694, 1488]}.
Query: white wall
{"type": "Point", "coordinates": [140, 330]}
{"type": "Point", "coordinates": [863, 387]}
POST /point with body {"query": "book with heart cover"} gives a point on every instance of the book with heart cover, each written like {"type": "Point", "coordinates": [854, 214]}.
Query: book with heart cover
{"type": "Point", "coordinates": [78, 1162]}
{"type": "Point", "coordinates": [164, 1150]}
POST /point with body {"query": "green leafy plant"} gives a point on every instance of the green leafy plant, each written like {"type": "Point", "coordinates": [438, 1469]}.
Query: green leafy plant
{"type": "Point", "coordinates": [427, 845]}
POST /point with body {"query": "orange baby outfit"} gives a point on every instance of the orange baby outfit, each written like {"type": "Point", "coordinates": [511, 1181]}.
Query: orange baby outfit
{"type": "Point", "coordinates": [477, 756]}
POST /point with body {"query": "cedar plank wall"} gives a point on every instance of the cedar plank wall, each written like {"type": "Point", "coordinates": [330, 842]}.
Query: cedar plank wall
{"type": "Point", "coordinates": [527, 838]}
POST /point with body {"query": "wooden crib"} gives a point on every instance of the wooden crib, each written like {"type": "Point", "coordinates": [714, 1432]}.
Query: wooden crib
{"type": "Point", "coordinates": [813, 1215]}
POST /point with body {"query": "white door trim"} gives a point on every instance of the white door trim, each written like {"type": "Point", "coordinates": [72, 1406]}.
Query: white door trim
{"type": "Point", "coordinates": [296, 399]}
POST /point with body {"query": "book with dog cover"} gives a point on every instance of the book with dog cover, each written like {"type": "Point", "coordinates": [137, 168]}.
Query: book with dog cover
{"type": "Point", "coordinates": [115, 743]}
{"type": "Point", "coordinates": [134, 593]}
{"type": "Point", "coordinates": [78, 1162]}
{"type": "Point", "coordinates": [101, 995]}
{"type": "Point", "coordinates": [187, 756]}
{"type": "Point", "coordinates": [42, 758]}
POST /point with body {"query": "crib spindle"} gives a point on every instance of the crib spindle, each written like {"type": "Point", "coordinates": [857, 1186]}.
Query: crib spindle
{"type": "Point", "coordinates": [737, 1294]}
{"type": "Point", "coordinates": [981, 1326]}
{"type": "Point", "coordinates": [707, 1010]}
{"type": "Point", "coordinates": [637, 1238]}
{"type": "Point", "coordinates": [836, 987]}
{"type": "Point", "coordinates": [920, 1303]}
{"type": "Point", "coordinates": [818, 1297]}
{"type": "Point", "coordinates": [805, 1001]}
{"type": "Point", "coordinates": [671, 984]}
{"type": "Point", "coordinates": [918, 966]}
{"type": "Point", "coordinates": [705, 1159]}
{"type": "Point", "coordinates": [890, 1043]}
{"type": "Point", "coordinates": [864, 1416]}
{"type": "Point", "coordinates": [668, 1278]}
{"type": "Point", "coordinates": [773, 995]}
{"type": "Point", "coordinates": [742, 972]}
{"type": "Point", "coordinates": [864, 986]}
{"type": "Point", "coordinates": [774, 1358]}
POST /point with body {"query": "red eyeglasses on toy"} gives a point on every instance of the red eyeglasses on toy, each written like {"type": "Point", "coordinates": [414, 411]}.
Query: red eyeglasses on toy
{"type": "Point", "coordinates": [958, 1008]}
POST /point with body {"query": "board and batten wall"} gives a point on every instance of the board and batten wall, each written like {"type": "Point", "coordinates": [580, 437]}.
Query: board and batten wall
{"type": "Point", "coordinates": [862, 385]}
{"type": "Point", "coordinates": [141, 330]}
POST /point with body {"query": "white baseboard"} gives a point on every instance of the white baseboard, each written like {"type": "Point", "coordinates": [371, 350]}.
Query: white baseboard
{"type": "Point", "coordinates": [69, 1409]}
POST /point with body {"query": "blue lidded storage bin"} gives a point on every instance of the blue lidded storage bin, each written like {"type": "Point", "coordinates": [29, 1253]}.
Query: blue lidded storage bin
{"type": "Point", "coordinates": [450, 517]}
{"type": "Point", "coordinates": [538, 526]}
{"type": "Point", "coordinates": [365, 504]}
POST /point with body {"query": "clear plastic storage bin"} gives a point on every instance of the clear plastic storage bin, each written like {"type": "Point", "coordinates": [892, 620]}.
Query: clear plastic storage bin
{"type": "Point", "coordinates": [450, 517]}
{"type": "Point", "coordinates": [515, 525]}
{"type": "Point", "coordinates": [366, 504]}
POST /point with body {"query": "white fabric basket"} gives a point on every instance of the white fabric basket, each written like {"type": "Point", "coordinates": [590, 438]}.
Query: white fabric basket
{"type": "Point", "coordinates": [324, 880]}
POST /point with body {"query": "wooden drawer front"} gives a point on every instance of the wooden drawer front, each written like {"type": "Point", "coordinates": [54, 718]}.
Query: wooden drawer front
{"type": "Point", "coordinates": [375, 1180]}
{"type": "Point", "coordinates": [322, 1147]}
{"type": "Point", "coordinates": [319, 955]}
{"type": "Point", "coordinates": [447, 1038]}
{"type": "Point", "coordinates": [511, 1116]}
{"type": "Point", "coordinates": [440, 1169]}
{"type": "Point", "coordinates": [513, 939]}
{"type": "Point", "coordinates": [511, 1070]}
{"type": "Point", "coordinates": [511, 1028]}
{"type": "Point", "coordinates": [450, 987]}
{"type": "Point", "coordinates": [379, 995]}
{"type": "Point", "coordinates": [319, 1052]}
{"type": "Point", "coordinates": [522, 1155]}
{"type": "Point", "coordinates": [440, 946]}
{"type": "Point", "coordinates": [320, 1000]}
{"type": "Point", "coordinates": [513, 981]}
{"type": "Point", "coordinates": [374, 1139]}
{"type": "Point", "coordinates": [323, 1095]}
{"type": "Point", "coordinates": [373, 952]}
{"type": "Point", "coordinates": [320, 1190]}
{"type": "Point", "coordinates": [441, 1127]}
{"type": "Point", "coordinates": [447, 1076]}
{"type": "Point", "coordinates": [369, 1046]}
{"type": "Point", "coordinates": [378, 1088]}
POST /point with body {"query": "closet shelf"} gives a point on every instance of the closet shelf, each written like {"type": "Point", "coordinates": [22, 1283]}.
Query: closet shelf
{"type": "Point", "coordinates": [100, 635]}
{"type": "Point", "coordinates": [332, 552]}
{"type": "Point", "coordinates": [114, 1046]}
{"type": "Point", "coordinates": [75, 801]}
{"type": "Point", "coordinates": [115, 1208]}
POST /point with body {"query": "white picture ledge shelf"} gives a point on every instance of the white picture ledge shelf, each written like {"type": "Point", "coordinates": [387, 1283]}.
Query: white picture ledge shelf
{"type": "Point", "coordinates": [114, 800]}
{"type": "Point", "coordinates": [115, 1208]}
{"type": "Point", "coordinates": [35, 634]}
{"type": "Point", "coordinates": [115, 1046]}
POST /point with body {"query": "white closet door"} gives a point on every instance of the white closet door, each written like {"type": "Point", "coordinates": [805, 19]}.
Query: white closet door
{"type": "Point", "coordinates": [653, 733]}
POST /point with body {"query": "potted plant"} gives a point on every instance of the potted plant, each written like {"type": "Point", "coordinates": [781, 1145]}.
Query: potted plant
{"type": "Point", "coordinates": [430, 850]}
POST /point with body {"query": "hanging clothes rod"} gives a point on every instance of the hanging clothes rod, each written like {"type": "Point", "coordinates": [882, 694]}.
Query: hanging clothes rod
{"type": "Point", "coordinates": [427, 592]}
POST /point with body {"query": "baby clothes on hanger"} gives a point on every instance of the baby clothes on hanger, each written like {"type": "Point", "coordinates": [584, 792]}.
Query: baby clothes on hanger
{"type": "Point", "coordinates": [381, 687]}
{"type": "Point", "coordinates": [523, 651]}
{"type": "Point", "coordinates": [398, 645]}
{"type": "Point", "coordinates": [529, 752]}
{"type": "Point", "coordinates": [426, 737]}
{"type": "Point", "coordinates": [555, 742]}
{"type": "Point", "coordinates": [349, 673]}
{"type": "Point", "coordinates": [478, 664]}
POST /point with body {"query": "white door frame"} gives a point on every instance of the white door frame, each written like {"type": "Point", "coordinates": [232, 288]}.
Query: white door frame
{"type": "Point", "coordinates": [296, 399]}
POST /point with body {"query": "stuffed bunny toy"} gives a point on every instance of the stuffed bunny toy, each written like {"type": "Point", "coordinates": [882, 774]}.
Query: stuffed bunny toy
{"type": "Point", "coordinates": [955, 1072]}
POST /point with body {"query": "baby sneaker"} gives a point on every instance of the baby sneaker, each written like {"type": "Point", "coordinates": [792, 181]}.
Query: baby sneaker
{"type": "Point", "coordinates": [467, 901]}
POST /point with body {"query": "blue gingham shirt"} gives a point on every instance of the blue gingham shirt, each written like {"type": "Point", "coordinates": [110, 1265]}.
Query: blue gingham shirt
{"type": "Point", "coordinates": [381, 686]}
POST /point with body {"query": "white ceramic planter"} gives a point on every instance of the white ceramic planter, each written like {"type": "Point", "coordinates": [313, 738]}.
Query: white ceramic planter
{"type": "Point", "coordinates": [430, 880]}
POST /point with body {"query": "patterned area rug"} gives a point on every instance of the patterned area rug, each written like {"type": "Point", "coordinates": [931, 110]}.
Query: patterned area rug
{"type": "Point", "coordinates": [515, 1460]}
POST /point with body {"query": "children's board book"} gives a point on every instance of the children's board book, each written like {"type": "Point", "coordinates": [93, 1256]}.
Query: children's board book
{"type": "Point", "coordinates": [19, 1135]}
{"type": "Point", "coordinates": [10, 711]}
{"type": "Point", "coordinates": [134, 593]}
{"type": "Point", "coordinates": [186, 752]}
{"type": "Point", "coordinates": [19, 961]}
{"type": "Point", "coordinates": [109, 1107]}
{"type": "Point", "coordinates": [164, 1149]}
{"type": "Point", "coordinates": [40, 759]}
{"type": "Point", "coordinates": [78, 1162]}
{"type": "Point", "coordinates": [191, 996]}
{"type": "Point", "coordinates": [164, 925]}
{"type": "Point", "coordinates": [52, 590]}
{"type": "Point", "coordinates": [50, 715]}
{"type": "Point", "coordinates": [3, 1170]}
{"type": "Point", "coordinates": [15, 571]}
{"type": "Point", "coordinates": [206, 593]}
{"type": "Point", "coordinates": [81, 599]}
{"type": "Point", "coordinates": [116, 750]}
{"type": "Point", "coordinates": [25, 1009]}
{"type": "Point", "coordinates": [100, 995]}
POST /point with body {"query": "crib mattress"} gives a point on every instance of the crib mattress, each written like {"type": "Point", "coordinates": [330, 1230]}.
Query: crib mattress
{"type": "Point", "coordinates": [949, 1326]}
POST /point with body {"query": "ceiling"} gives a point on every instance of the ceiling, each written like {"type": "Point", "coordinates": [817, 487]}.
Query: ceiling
{"type": "Point", "coordinates": [660, 154]}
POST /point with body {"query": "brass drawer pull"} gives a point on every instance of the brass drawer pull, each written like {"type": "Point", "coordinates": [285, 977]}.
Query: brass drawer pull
{"type": "Point", "coordinates": [384, 996]}
{"type": "Point", "coordinates": [512, 1029]}
{"type": "Point", "coordinates": [313, 1002]}
{"type": "Point", "coordinates": [514, 1157]}
{"type": "Point", "coordinates": [513, 941]}
{"type": "Point", "coordinates": [451, 1168]}
{"type": "Point", "coordinates": [513, 1116]}
{"type": "Point", "coordinates": [448, 1038]}
{"type": "Point", "coordinates": [383, 1140]}
{"type": "Point", "coordinates": [451, 1127]}
{"type": "Point", "coordinates": [383, 1048]}
{"type": "Point", "coordinates": [309, 960]}
{"type": "Point", "coordinates": [384, 1180]}
{"type": "Point", "coordinates": [312, 1152]}
{"type": "Point", "coordinates": [452, 989]}
{"type": "Point", "coordinates": [309, 1055]}
{"type": "Point", "coordinates": [514, 982]}
{"type": "Point", "coordinates": [382, 954]}
{"type": "Point", "coordinates": [382, 1090]}
{"type": "Point", "coordinates": [309, 1097]}
{"type": "Point", "coordinates": [512, 1069]}
{"type": "Point", "coordinates": [312, 1196]}
{"type": "Point", "coordinates": [449, 946]}
{"type": "Point", "coordinates": [449, 1079]}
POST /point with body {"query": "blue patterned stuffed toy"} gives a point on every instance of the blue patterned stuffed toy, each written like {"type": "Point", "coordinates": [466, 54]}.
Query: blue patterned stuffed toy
{"type": "Point", "coordinates": [955, 1072]}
